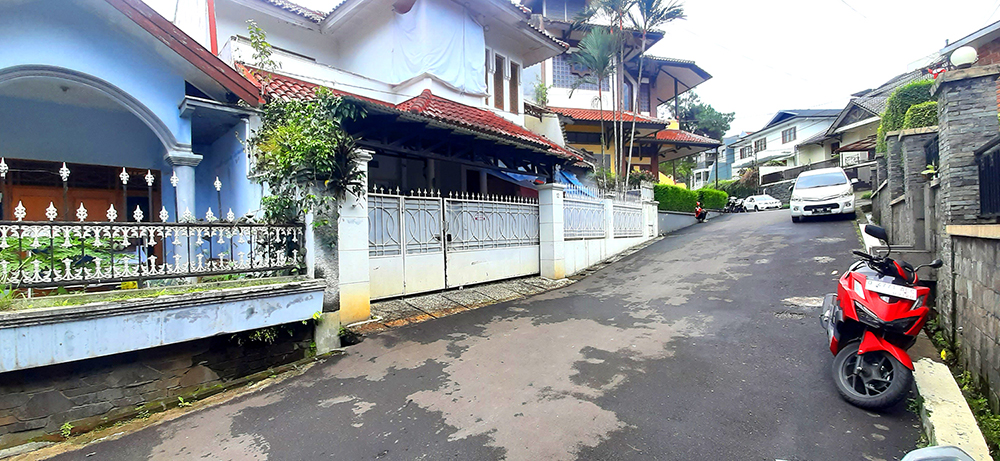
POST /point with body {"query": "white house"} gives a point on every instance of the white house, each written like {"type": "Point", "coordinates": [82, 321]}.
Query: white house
{"type": "Point", "coordinates": [780, 137]}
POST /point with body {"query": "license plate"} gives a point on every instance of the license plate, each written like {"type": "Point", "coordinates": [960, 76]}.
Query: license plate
{"type": "Point", "coordinates": [821, 210]}
{"type": "Point", "coordinates": [898, 291]}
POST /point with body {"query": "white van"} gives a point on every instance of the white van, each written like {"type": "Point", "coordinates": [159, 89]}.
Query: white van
{"type": "Point", "coordinates": [822, 192]}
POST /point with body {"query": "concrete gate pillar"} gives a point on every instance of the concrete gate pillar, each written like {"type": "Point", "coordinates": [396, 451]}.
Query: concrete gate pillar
{"type": "Point", "coordinates": [551, 238]}
{"type": "Point", "coordinates": [352, 251]}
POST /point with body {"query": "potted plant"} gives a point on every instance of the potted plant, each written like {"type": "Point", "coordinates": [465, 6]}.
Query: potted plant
{"type": "Point", "coordinates": [929, 173]}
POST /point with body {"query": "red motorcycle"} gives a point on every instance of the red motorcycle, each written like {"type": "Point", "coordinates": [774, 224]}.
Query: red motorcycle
{"type": "Point", "coordinates": [871, 321]}
{"type": "Point", "coordinates": [700, 213]}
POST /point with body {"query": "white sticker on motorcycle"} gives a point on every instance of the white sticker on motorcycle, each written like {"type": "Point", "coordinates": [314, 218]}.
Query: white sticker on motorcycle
{"type": "Point", "coordinates": [898, 291]}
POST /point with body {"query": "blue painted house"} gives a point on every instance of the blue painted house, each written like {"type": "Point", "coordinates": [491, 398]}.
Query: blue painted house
{"type": "Point", "coordinates": [104, 85]}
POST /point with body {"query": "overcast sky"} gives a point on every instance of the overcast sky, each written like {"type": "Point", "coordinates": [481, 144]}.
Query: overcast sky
{"type": "Point", "coordinates": [770, 55]}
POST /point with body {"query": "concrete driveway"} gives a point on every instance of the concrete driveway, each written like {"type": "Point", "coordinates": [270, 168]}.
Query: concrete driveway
{"type": "Point", "coordinates": [692, 349]}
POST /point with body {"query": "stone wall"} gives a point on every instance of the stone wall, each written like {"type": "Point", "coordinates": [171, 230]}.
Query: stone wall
{"type": "Point", "coordinates": [88, 393]}
{"type": "Point", "coordinates": [967, 115]}
{"type": "Point", "coordinates": [779, 190]}
{"type": "Point", "coordinates": [977, 304]}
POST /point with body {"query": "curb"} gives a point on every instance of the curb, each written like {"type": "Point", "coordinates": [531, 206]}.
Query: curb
{"type": "Point", "coordinates": [944, 413]}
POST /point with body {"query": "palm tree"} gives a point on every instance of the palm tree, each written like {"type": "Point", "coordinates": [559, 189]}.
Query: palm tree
{"type": "Point", "coordinates": [596, 53]}
{"type": "Point", "coordinates": [650, 14]}
{"type": "Point", "coordinates": [615, 13]}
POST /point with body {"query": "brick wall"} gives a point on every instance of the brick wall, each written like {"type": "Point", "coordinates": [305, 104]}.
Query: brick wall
{"type": "Point", "coordinates": [977, 304]}
{"type": "Point", "coordinates": [990, 54]}
{"type": "Point", "coordinates": [37, 401]}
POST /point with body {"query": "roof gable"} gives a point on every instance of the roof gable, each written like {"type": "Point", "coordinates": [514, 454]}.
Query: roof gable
{"type": "Point", "coordinates": [785, 115]}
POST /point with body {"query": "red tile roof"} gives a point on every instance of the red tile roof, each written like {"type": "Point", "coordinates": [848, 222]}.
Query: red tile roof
{"type": "Point", "coordinates": [683, 136]}
{"type": "Point", "coordinates": [594, 115]}
{"type": "Point", "coordinates": [426, 105]}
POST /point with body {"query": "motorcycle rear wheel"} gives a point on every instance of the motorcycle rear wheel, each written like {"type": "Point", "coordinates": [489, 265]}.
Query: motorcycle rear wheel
{"type": "Point", "coordinates": [882, 383]}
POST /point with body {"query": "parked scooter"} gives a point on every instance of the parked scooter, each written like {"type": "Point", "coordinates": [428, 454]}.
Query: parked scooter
{"type": "Point", "coordinates": [700, 213]}
{"type": "Point", "coordinates": [871, 321]}
{"type": "Point", "coordinates": [729, 205]}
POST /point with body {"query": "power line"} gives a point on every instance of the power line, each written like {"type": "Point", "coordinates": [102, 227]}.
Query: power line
{"type": "Point", "coordinates": [852, 8]}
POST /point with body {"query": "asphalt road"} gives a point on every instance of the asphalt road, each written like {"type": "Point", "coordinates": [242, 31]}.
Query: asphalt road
{"type": "Point", "coordinates": [687, 350]}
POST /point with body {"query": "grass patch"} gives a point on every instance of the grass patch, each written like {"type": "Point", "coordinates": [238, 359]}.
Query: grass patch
{"type": "Point", "coordinates": [866, 195]}
{"type": "Point", "coordinates": [989, 422]}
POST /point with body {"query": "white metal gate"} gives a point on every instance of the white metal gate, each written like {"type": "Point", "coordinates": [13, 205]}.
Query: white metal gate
{"type": "Point", "coordinates": [424, 242]}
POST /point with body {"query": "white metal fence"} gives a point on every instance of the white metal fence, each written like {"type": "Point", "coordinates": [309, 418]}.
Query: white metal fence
{"type": "Point", "coordinates": [584, 214]}
{"type": "Point", "coordinates": [425, 242]}
{"type": "Point", "coordinates": [627, 214]}
{"type": "Point", "coordinates": [482, 222]}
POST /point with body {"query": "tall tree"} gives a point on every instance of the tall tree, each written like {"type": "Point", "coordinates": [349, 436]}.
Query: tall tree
{"type": "Point", "coordinates": [596, 53]}
{"type": "Point", "coordinates": [648, 15]}
{"type": "Point", "coordinates": [701, 118]}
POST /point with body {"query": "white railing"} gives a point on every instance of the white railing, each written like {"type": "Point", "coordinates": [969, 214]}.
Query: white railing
{"type": "Point", "coordinates": [491, 221]}
{"type": "Point", "coordinates": [584, 215]}
{"type": "Point", "coordinates": [627, 219]}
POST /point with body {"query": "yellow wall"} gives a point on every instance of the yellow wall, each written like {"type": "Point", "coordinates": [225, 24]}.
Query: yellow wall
{"type": "Point", "coordinates": [609, 150]}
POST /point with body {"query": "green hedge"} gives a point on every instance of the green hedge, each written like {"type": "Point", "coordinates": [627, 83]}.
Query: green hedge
{"type": "Point", "coordinates": [896, 106]}
{"type": "Point", "coordinates": [735, 188]}
{"type": "Point", "coordinates": [712, 199]}
{"type": "Point", "coordinates": [673, 198]}
{"type": "Point", "coordinates": [921, 115]}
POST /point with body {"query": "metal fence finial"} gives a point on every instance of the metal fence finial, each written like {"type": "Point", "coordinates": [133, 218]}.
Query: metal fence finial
{"type": "Point", "coordinates": [3, 168]}
{"type": "Point", "coordinates": [174, 180]}
{"type": "Point", "coordinates": [137, 214]}
{"type": "Point", "coordinates": [149, 178]}
{"type": "Point", "coordinates": [187, 216]}
{"type": "Point", "coordinates": [112, 213]}
{"type": "Point", "coordinates": [164, 215]}
{"type": "Point", "coordinates": [209, 216]}
{"type": "Point", "coordinates": [19, 211]}
{"type": "Point", "coordinates": [217, 184]}
{"type": "Point", "coordinates": [230, 216]}
{"type": "Point", "coordinates": [51, 212]}
{"type": "Point", "coordinates": [123, 176]}
{"type": "Point", "coordinates": [64, 172]}
{"type": "Point", "coordinates": [81, 213]}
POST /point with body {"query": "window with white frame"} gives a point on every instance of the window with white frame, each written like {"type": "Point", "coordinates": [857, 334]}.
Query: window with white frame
{"type": "Point", "coordinates": [746, 152]}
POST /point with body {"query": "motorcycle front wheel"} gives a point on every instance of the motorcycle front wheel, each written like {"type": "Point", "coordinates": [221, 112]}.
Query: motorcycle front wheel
{"type": "Point", "coordinates": [881, 383]}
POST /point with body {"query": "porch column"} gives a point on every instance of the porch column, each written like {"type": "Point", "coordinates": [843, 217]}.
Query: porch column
{"type": "Point", "coordinates": [183, 163]}
{"type": "Point", "coordinates": [352, 251]}
{"type": "Point", "coordinates": [551, 238]}
{"type": "Point", "coordinates": [482, 182]}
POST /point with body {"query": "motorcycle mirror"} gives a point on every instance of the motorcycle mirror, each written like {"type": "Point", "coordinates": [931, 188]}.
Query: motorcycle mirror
{"type": "Point", "coordinates": [936, 263]}
{"type": "Point", "coordinates": [876, 232]}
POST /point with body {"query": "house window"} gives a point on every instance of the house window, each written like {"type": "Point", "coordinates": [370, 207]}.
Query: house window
{"type": "Point", "coordinates": [564, 74]}
{"type": "Point", "coordinates": [644, 97]}
{"type": "Point", "coordinates": [515, 80]}
{"type": "Point", "coordinates": [498, 84]}
{"type": "Point", "coordinates": [788, 135]}
{"type": "Point", "coordinates": [760, 145]}
{"type": "Point", "coordinates": [576, 137]}
{"type": "Point", "coordinates": [746, 152]}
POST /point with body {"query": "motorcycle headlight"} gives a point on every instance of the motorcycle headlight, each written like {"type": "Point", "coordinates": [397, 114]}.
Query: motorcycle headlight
{"type": "Point", "coordinates": [919, 303]}
{"type": "Point", "coordinates": [866, 316]}
{"type": "Point", "coordinates": [902, 325]}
